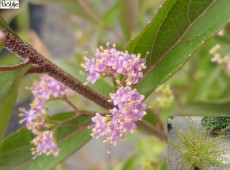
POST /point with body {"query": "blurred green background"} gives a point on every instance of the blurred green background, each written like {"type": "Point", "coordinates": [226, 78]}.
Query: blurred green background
{"type": "Point", "coordinates": [65, 30]}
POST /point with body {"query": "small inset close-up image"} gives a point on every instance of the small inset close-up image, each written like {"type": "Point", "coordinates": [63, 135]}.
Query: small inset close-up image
{"type": "Point", "coordinates": [199, 143]}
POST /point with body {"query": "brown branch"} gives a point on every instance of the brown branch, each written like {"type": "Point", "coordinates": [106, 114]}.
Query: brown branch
{"type": "Point", "coordinates": [113, 32]}
{"type": "Point", "coordinates": [74, 132]}
{"type": "Point", "coordinates": [152, 130]}
{"type": "Point", "coordinates": [35, 70]}
{"type": "Point", "coordinates": [25, 51]}
{"type": "Point", "coordinates": [16, 66]}
{"type": "Point", "coordinates": [73, 118]}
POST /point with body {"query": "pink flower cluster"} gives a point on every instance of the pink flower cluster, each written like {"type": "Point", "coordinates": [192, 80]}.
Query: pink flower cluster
{"type": "Point", "coordinates": [45, 144]}
{"type": "Point", "coordinates": [34, 118]}
{"type": "Point", "coordinates": [219, 58]}
{"type": "Point", "coordinates": [111, 61]}
{"type": "Point", "coordinates": [128, 110]}
{"type": "Point", "coordinates": [128, 103]}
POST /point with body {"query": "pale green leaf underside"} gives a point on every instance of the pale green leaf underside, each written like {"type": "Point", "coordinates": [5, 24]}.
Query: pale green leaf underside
{"type": "Point", "coordinates": [178, 29]}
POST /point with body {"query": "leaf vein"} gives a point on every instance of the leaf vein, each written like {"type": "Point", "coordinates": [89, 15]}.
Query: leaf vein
{"type": "Point", "coordinates": [173, 46]}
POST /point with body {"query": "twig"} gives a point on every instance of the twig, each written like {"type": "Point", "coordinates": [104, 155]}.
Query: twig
{"type": "Point", "coordinates": [74, 132]}
{"type": "Point", "coordinates": [16, 66]}
{"type": "Point", "coordinates": [152, 130]}
{"type": "Point", "coordinates": [25, 51]}
{"type": "Point", "coordinates": [60, 123]}
{"type": "Point", "coordinates": [35, 70]}
{"type": "Point", "coordinates": [86, 6]}
{"type": "Point", "coordinates": [73, 118]}
{"type": "Point", "coordinates": [112, 31]}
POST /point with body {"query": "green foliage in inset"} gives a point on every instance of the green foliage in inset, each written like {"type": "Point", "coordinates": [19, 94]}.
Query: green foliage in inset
{"type": "Point", "coordinates": [216, 123]}
{"type": "Point", "coordinates": [197, 149]}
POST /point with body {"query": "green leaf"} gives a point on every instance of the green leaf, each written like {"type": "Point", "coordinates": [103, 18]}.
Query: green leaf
{"type": "Point", "coordinates": [204, 109]}
{"type": "Point", "coordinates": [150, 117]}
{"type": "Point", "coordinates": [15, 152]}
{"type": "Point", "coordinates": [8, 94]}
{"type": "Point", "coordinates": [101, 85]}
{"type": "Point", "coordinates": [178, 29]}
{"type": "Point", "coordinates": [4, 25]}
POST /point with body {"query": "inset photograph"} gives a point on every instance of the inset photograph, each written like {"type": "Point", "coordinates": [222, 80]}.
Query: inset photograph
{"type": "Point", "coordinates": [199, 143]}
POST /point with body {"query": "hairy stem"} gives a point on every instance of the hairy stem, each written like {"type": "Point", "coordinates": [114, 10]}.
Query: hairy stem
{"type": "Point", "coordinates": [25, 51]}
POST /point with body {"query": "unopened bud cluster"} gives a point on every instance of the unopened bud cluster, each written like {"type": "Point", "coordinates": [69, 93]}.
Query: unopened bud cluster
{"type": "Point", "coordinates": [166, 96]}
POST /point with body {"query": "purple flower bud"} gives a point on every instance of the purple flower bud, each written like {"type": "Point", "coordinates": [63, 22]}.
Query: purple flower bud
{"type": "Point", "coordinates": [129, 108]}
{"type": "Point", "coordinates": [48, 87]}
{"type": "Point", "coordinates": [34, 118]}
{"type": "Point", "coordinates": [111, 61]}
{"type": "Point", "coordinates": [44, 144]}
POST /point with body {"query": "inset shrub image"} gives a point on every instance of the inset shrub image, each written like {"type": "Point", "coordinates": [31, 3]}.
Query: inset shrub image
{"type": "Point", "coordinates": [193, 147]}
